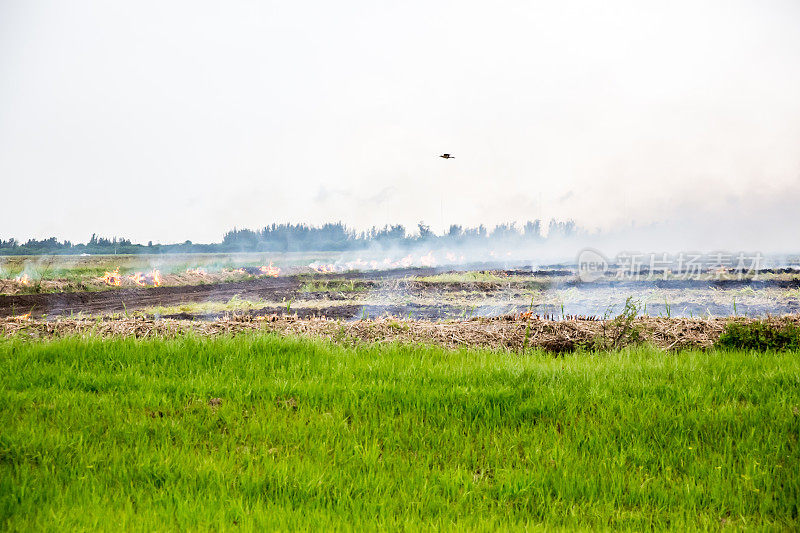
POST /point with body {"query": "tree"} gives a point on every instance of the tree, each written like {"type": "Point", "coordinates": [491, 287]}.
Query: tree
{"type": "Point", "coordinates": [425, 232]}
{"type": "Point", "coordinates": [533, 230]}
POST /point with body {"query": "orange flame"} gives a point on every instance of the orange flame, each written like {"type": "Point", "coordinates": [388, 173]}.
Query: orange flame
{"type": "Point", "coordinates": [270, 270]}
{"type": "Point", "coordinates": [428, 260]}
{"type": "Point", "coordinates": [137, 278]}
{"type": "Point", "coordinates": [112, 278]}
{"type": "Point", "coordinates": [115, 279]}
{"type": "Point", "coordinates": [24, 279]}
{"type": "Point", "coordinates": [199, 271]}
{"type": "Point", "coordinates": [26, 316]}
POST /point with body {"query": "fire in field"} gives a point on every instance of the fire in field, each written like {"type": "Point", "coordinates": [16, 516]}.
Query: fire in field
{"type": "Point", "coordinates": [316, 266]}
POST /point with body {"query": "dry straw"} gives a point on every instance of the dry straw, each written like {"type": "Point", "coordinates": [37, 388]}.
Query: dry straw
{"type": "Point", "coordinates": [507, 332]}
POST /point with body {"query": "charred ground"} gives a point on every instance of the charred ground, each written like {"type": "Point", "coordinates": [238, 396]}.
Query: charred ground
{"type": "Point", "coordinates": [432, 293]}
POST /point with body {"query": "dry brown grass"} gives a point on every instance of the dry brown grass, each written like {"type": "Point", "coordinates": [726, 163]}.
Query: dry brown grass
{"type": "Point", "coordinates": [506, 333]}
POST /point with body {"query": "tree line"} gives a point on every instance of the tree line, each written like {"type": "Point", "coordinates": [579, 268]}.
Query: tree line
{"type": "Point", "coordinates": [308, 238]}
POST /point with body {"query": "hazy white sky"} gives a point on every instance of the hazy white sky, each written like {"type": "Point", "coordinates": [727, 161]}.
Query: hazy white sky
{"type": "Point", "coordinates": [178, 120]}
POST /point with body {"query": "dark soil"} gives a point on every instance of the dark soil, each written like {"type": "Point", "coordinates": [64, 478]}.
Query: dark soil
{"type": "Point", "coordinates": [121, 300]}
{"type": "Point", "coordinates": [285, 289]}
{"type": "Point", "coordinates": [339, 312]}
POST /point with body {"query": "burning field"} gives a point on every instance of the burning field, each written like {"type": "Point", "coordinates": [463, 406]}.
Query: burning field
{"type": "Point", "coordinates": [261, 286]}
{"type": "Point", "coordinates": [470, 305]}
{"type": "Point", "coordinates": [82, 274]}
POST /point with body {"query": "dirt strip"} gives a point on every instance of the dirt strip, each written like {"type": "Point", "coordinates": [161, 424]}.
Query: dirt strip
{"type": "Point", "coordinates": [121, 300]}
{"type": "Point", "coordinates": [508, 332]}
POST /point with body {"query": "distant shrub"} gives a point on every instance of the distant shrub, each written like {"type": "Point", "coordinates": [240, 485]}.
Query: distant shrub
{"type": "Point", "coordinates": [759, 335]}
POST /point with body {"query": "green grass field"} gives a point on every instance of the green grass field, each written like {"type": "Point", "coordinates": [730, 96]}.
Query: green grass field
{"type": "Point", "coordinates": [257, 432]}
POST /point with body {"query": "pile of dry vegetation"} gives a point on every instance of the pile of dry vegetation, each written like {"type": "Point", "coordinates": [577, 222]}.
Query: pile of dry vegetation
{"type": "Point", "coordinates": [508, 332]}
